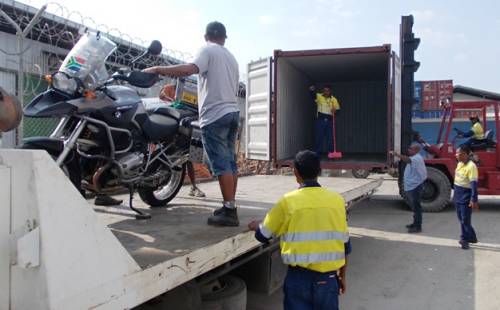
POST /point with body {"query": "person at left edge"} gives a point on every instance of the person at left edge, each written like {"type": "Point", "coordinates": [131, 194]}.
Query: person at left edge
{"type": "Point", "coordinates": [314, 240]}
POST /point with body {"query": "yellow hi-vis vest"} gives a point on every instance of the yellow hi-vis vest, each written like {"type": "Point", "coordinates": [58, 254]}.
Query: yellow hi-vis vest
{"type": "Point", "coordinates": [312, 226]}
{"type": "Point", "coordinates": [325, 104]}
{"type": "Point", "coordinates": [478, 131]}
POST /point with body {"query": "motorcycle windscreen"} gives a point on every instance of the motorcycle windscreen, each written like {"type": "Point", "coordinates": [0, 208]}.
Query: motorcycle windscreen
{"type": "Point", "coordinates": [86, 60]}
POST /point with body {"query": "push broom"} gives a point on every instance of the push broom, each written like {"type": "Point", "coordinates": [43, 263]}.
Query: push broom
{"type": "Point", "coordinates": [334, 154]}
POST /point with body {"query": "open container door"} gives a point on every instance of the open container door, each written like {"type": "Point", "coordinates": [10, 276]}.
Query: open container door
{"type": "Point", "coordinates": [396, 100]}
{"type": "Point", "coordinates": [257, 110]}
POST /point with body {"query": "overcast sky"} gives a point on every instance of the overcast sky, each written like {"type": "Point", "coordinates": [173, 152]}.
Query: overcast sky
{"type": "Point", "coordinates": [460, 40]}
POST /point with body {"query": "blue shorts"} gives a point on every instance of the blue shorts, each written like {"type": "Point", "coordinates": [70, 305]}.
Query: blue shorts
{"type": "Point", "coordinates": [219, 140]}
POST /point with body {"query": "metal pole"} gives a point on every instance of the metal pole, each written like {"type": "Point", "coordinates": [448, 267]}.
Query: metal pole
{"type": "Point", "coordinates": [15, 137]}
{"type": "Point", "coordinates": [20, 89]}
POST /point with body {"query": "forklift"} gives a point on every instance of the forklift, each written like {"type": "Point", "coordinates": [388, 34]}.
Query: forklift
{"type": "Point", "coordinates": [441, 162]}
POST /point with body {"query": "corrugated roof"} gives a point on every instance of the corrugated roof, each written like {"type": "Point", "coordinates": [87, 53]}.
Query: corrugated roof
{"type": "Point", "coordinates": [476, 92]}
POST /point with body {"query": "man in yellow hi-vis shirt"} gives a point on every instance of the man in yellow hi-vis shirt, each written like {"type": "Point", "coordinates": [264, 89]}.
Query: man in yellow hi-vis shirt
{"type": "Point", "coordinates": [465, 195]}
{"type": "Point", "coordinates": [314, 240]}
{"type": "Point", "coordinates": [327, 105]}
{"type": "Point", "coordinates": [476, 132]}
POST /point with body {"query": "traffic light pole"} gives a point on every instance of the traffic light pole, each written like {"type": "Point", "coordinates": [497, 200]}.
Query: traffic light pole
{"type": "Point", "coordinates": [408, 45]}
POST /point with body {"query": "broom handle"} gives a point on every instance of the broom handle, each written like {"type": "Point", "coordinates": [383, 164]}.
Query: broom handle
{"type": "Point", "coordinates": [334, 133]}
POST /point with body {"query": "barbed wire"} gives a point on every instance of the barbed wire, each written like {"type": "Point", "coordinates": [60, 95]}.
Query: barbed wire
{"type": "Point", "coordinates": [63, 27]}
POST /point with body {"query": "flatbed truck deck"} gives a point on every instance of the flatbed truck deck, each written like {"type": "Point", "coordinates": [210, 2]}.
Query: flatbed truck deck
{"type": "Point", "coordinates": [59, 251]}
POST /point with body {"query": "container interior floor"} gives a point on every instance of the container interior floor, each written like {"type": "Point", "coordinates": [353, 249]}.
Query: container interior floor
{"type": "Point", "coordinates": [352, 158]}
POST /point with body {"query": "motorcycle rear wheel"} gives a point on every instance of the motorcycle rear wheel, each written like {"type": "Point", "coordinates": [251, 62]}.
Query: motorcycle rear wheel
{"type": "Point", "coordinates": [160, 196]}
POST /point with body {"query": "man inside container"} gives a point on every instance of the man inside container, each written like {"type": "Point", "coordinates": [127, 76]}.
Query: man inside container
{"type": "Point", "coordinates": [314, 239]}
{"type": "Point", "coordinates": [327, 106]}
{"type": "Point", "coordinates": [217, 71]}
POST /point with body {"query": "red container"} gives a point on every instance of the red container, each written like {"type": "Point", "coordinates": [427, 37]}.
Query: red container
{"type": "Point", "coordinates": [435, 91]}
{"type": "Point", "coordinates": [429, 86]}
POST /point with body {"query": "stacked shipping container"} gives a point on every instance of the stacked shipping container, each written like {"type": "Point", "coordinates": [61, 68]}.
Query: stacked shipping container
{"type": "Point", "coordinates": [428, 97]}
{"type": "Point", "coordinates": [435, 91]}
{"type": "Point", "coordinates": [418, 96]}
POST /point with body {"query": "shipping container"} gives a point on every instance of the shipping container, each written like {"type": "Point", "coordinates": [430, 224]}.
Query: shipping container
{"type": "Point", "coordinates": [418, 90]}
{"type": "Point", "coordinates": [417, 95]}
{"type": "Point", "coordinates": [433, 92]}
{"type": "Point", "coordinates": [281, 114]}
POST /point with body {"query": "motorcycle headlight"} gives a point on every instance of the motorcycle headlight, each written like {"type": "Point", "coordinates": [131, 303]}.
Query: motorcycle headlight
{"type": "Point", "coordinates": [63, 82]}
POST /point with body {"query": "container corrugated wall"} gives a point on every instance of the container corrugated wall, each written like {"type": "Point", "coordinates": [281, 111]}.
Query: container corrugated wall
{"type": "Point", "coordinates": [296, 110]}
{"type": "Point", "coordinates": [362, 122]}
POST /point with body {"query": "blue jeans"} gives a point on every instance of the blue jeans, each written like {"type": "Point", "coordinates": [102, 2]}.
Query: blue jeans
{"type": "Point", "coordinates": [219, 140]}
{"type": "Point", "coordinates": [324, 130]}
{"type": "Point", "coordinates": [309, 290]}
{"type": "Point", "coordinates": [414, 199]}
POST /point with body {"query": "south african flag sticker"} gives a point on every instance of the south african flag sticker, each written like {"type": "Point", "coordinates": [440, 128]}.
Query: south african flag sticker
{"type": "Point", "coordinates": [75, 63]}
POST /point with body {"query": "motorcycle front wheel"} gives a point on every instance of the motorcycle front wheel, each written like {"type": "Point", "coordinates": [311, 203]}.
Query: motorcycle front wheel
{"type": "Point", "coordinates": [163, 194]}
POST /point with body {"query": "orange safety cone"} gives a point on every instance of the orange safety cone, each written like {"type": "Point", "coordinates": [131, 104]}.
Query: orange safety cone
{"type": "Point", "coordinates": [334, 154]}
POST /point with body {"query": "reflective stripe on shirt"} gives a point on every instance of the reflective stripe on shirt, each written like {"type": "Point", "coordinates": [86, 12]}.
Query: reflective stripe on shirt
{"type": "Point", "coordinates": [315, 236]}
{"type": "Point", "coordinates": [312, 257]}
{"type": "Point", "coordinates": [265, 232]}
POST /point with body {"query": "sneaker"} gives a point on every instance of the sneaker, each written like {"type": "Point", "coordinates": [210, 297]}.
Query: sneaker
{"type": "Point", "coordinates": [410, 225]}
{"type": "Point", "coordinates": [225, 217]}
{"type": "Point", "coordinates": [105, 200]}
{"type": "Point", "coordinates": [473, 240]}
{"type": "Point", "coordinates": [464, 244]}
{"type": "Point", "coordinates": [196, 192]}
{"type": "Point", "coordinates": [414, 229]}
{"type": "Point", "coordinates": [219, 211]}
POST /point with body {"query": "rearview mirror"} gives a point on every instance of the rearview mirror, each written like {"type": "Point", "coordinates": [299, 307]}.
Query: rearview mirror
{"type": "Point", "coordinates": [154, 48]}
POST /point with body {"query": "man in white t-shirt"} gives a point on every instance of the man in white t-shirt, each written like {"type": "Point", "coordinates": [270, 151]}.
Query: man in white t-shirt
{"type": "Point", "coordinates": [217, 71]}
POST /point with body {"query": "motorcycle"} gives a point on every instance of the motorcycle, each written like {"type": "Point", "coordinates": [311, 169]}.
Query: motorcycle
{"type": "Point", "coordinates": [107, 139]}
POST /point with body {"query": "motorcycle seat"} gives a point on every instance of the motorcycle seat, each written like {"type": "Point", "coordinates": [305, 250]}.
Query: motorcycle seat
{"type": "Point", "coordinates": [178, 114]}
{"type": "Point", "coordinates": [158, 127]}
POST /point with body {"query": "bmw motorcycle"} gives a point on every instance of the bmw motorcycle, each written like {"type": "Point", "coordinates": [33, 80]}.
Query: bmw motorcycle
{"type": "Point", "coordinates": [107, 139]}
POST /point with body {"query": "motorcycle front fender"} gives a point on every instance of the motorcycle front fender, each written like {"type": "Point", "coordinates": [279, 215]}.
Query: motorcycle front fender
{"type": "Point", "coordinates": [53, 146]}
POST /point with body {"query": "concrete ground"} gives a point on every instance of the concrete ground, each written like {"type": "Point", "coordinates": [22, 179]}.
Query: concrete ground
{"type": "Point", "coordinates": [390, 269]}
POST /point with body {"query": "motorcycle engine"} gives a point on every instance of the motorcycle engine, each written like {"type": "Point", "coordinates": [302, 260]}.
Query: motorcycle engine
{"type": "Point", "coordinates": [130, 162]}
